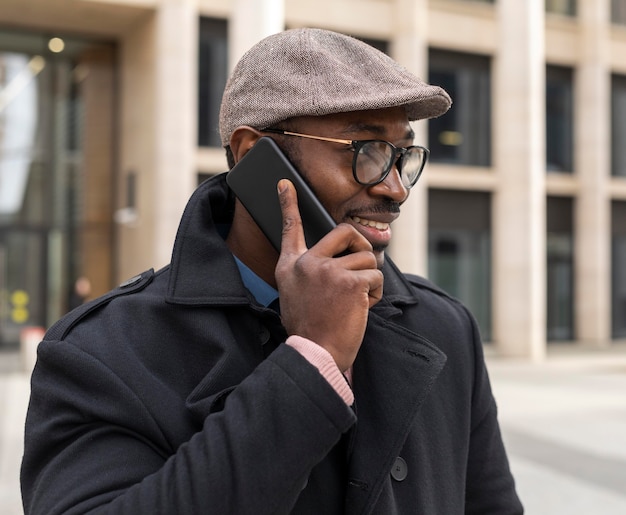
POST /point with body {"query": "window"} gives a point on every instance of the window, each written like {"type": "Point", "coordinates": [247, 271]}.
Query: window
{"type": "Point", "coordinates": [618, 125]}
{"type": "Point", "coordinates": [618, 272]}
{"type": "Point", "coordinates": [463, 135]}
{"type": "Point", "coordinates": [378, 44]}
{"type": "Point", "coordinates": [212, 75]}
{"type": "Point", "coordinates": [559, 119]}
{"type": "Point", "coordinates": [618, 12]}
{"type": "Point", "coordinates": [567, 7]}
{"type": "Point", "coordinates": [459, 249]}
{"type": "Point", "coordinates": [560, 256]}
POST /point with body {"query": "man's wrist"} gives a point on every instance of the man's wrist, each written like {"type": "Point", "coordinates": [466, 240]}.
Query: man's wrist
{"type": "Point", "coordinates": [321, 359]}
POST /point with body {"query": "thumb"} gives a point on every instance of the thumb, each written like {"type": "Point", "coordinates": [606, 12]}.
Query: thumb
{"type": "Point", "coordinates": [293, 241]}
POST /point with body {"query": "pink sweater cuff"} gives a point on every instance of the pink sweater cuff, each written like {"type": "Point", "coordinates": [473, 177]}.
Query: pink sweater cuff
{"type": "Point", "coordinates": [321, 359]}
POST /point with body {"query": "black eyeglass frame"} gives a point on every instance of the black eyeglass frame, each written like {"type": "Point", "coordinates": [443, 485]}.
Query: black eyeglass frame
{"type": "Point", "coordinates": [397, 159]}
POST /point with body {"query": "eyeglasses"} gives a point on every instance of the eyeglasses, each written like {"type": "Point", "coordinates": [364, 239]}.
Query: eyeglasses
{"type": "Point", "coordinates": [374, 159]}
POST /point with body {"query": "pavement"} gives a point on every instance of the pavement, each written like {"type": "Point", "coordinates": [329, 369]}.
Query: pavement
{"type": "Point", "coordinates": [564, 426]}
{"type": "Point", "coordinates": [14, 392]}
{"type": "Point", "coordinates": [563, 423]}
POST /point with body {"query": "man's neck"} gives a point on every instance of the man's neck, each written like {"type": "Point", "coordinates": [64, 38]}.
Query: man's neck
{"type": "Point", "coordinates": [246, 241]}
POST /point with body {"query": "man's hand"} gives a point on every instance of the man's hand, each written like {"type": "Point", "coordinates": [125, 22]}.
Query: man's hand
{"type": "Point", "coordinates": [325, 298]}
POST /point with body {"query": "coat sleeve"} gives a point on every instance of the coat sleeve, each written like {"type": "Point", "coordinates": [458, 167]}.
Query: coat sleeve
{"type": "Point", "coordinates": [490, 487]}
{"type": "Point", "coordinates": [92, 446]}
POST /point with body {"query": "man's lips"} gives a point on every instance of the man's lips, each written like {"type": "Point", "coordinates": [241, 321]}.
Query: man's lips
{"type": "Point", "coordinates": [381, 226]}
{"type": "Point", "coordinates": [377, 232]}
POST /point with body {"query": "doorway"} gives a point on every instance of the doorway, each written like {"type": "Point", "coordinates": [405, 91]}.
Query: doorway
{"type": "Point", "coordinates": [50, 170]}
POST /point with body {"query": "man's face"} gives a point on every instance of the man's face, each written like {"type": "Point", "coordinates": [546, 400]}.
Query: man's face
{"type": "Point", "coordinates": [327, 167]}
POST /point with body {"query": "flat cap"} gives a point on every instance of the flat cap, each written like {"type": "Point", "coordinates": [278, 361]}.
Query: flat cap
{"type": "Point", "coordinates": [314, 72]}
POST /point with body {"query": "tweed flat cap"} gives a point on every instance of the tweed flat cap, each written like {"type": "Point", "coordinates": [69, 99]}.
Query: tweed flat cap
{"type": "Point", "coordinates": [314, 72]}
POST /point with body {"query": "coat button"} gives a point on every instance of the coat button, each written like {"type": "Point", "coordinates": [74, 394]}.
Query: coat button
{"type": "Point", "coordinates": [264, 335]}
{"type": "Point", "coordinates": [399, 469]}
{"type": "Point", "coordinates": [131, 281]}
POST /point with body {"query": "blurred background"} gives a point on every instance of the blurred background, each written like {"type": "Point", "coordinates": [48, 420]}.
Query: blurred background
{"type": "Point", "coordinates": [108, 121]}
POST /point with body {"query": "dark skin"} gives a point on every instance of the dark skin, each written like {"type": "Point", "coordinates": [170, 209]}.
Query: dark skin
{"type": "Point", "coordinates": [325, 298]}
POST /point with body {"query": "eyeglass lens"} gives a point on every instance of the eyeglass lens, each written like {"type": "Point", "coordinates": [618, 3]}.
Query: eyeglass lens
{"type": "Point", "coordinates": [375, 158]}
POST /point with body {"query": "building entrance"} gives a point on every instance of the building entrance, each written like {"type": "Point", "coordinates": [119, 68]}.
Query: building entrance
{"type": "Point", "coordinates": [23, 258]}
{"type": "Point", "coordinates": [47, 120]}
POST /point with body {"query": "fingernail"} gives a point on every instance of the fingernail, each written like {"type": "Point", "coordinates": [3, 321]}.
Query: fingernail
{"type": "Point", "coordinates": [282, 185]}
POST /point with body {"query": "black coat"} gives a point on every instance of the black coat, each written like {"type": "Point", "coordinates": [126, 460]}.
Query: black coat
{"type": "Point", "coordinates": [173, 395]}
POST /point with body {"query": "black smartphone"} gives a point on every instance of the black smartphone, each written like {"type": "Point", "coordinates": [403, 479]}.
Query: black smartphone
{"type": "Point", "coordinates": [254, 180]}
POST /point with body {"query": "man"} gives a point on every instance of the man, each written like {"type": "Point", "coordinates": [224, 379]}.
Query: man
{"type": "Point", "coordinates": [187, 391]}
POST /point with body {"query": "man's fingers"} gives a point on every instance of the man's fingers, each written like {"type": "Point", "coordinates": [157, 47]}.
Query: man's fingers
{"type": "Point", "coordinates": [376, 288]}
{"type": "Point", "coordinates": [363, 260]}
{"type": "Point", "coordinates": [343, 239]}
{"type": "Point", "coordinates": [293, 241]}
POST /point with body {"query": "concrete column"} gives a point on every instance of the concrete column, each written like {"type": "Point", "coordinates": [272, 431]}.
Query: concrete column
{"type": "Point", "coordinates": [519, 220]}
{"type": "Point", "coordinates": [95, 237]}
{"type": "Point", "coordinates": [176, 124]}
{"type": "Point", "coordinates": [409, 47]}
{"type": "Point", "coordinates": [592, 167]}
{"type": "Point", "coordinates": [158, 62]}
{"type": "Point", "coordinates": [138, 118]}
{"type": "Point", "coordinates": [251, 21]}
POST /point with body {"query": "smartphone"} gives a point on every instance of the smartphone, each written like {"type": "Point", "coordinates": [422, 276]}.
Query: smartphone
{"type": "Point", "coordinates": [254, 180]}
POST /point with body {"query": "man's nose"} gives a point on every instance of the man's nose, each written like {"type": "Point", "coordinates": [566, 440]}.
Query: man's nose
{"type": "Point", "coordinates": [392, 187]}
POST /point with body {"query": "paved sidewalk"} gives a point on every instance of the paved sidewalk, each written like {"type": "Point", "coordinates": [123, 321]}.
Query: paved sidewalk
{"type": "Point", "coordinates": [14, 392]}
{"type": "Point", "coordinates": [564, 424]}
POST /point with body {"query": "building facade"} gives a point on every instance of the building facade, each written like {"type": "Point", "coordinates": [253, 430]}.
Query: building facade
{"type": "Point", "coordinates": [108, 120]}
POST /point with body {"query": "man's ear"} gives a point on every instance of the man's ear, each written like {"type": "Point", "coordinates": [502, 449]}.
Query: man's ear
{"type": "Point", "coordinates": [242, 140]}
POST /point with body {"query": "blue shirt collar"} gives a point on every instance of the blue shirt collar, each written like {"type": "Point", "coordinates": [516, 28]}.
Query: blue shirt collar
{"type": "Point", "coordinates": [262, 292]}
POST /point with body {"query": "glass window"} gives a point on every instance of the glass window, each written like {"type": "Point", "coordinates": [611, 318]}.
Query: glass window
{"type": "Point", "coordinates": [618, 125]}
{"type": "Point", "coordinates": [212, 76]}
{"type": "Point", "coordinates": [459, 249]}
{"type": "Point", "coordinates": [463, 135]}
{"type": "Point", "coordinates": [378, 44]}
{"type": "Point", "coordinates": [560, 256]}
{"type": "Point", "coordinates": [618, 272]}
{"type": "Point", "coordinates": [618, 11]}
{"type": "Point", "coordinates": [559, 119]}
{"type": "Point", "coordinates": [567, 7]}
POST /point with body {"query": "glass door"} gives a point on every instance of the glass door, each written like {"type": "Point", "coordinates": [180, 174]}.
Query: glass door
{"type": "Point", "coordinates": [22, 282]}
{"type": "Point", "coordinates": [50, 121]}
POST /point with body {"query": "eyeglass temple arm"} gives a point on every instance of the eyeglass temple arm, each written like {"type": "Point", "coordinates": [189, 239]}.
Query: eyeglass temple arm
{"type": "Point", "coordinates": [320, 138]}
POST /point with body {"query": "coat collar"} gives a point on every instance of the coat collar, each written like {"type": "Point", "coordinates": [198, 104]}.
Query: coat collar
{"type": "Point", "coordinates": [203, 271]}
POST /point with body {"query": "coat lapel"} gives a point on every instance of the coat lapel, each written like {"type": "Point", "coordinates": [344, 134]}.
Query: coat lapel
{"type": "Point", "coordinates": [393, 374]}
